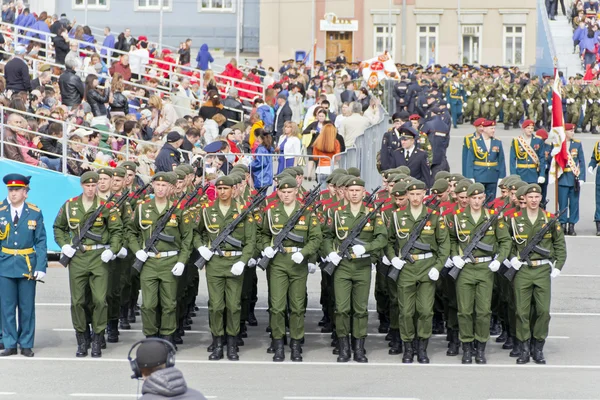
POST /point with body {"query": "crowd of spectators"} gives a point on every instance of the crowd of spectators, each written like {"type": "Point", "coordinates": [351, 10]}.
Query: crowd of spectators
{"type": "Point", "coordinates": [586, 42]}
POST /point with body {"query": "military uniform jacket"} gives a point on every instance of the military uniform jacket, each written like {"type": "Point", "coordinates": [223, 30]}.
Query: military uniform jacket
{"type": "Point", "coordinates": [483, 164]}
{"type": "Point", "coordinates": [374, 233]}
{"type": "Point", "coordinates": [180, 226]}
{"type": "Point", "coordinates": [575, 149]}
{"type": "Point", "coordinates": [465, 151]}
{"type": "Point", "coordinates": [527, 159]}
{"type": "Point", "coordinates": [29, 233]}
{"type": "Point", "coordinates": [389, 143]}
{"type": "Point", "coordinates": [439, 136]}
{"type": "Point", "coordinates": [72, 216]}
{"type": "Point", "coordinates": [522, 231]}
{"type": "Point", "coordinates": [417, 162]}
{"type": "Point", "coordinates": [210, 223]}
{"type": "Point", "coordinates": [435, 234]}
{"type": "Point", "coordinates": [595, 160]}
{"type": "Point", "coordinates": [462, 226]}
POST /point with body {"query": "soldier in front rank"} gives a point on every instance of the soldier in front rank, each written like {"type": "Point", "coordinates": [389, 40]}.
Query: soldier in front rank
{"type": "Point", "coordinates": [440, 190]}
{"type": "Point", "coordinates": [532, 281]}
{"type": "Point", "coordinates": [224, 273]}
{"type": "Point", "coordinates": [416, 283]}
{"type": "Point", "coordinates": [88, 271]}
{"type": "Point", "coordinates": [352, 277]}
{"type": "Point", "coordinates": [569, 183]}
{"type": "Point", "coordinates": [475, 283]}
{"type": "Point", "coordinates": [527, 155]}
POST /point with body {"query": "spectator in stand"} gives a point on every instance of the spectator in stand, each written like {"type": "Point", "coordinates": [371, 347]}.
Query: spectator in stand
{"type": "Point", "coordinates": [289, 143]}
{"type": "Point", "coordinates": [71, 86]}
{"type": "Point", "coordinates": [16, 143]}
{"type": "Point", "coordinates": [169, 156]}
{"type": "Point", "coordinates": [364, 98]}
{"type": "Point", "coordinates": [52, 147]}
{"type": "Point", "coordinates": [210, 83]}
{"type": "Point", "coordinates": [204, 58]}
{"type": "Point", "coordinates": [354, 125]}
{"type": "Point", "coordinates": [43, 79]}
{"type": "Point", "coordinates": [146, 157]}
{"type": "Point", "coordinates": [262, 163]}
{"type": "Point", "coordinates": [295, 101]}
{"type": "Point", "coordinates": [76, 163]}
{"type": "Point", "coordinates": [588, 47]}
{"type": "Point", "coordinates": [185, 52]}
{"type": "Point", "coordinates": [346, 112]}
{"type": "Point", "coordinates": [8, 14]}
{"type": "Point", "coordinates": [139, 58]}
{"type": "Point", "coordinates": [109, 42]}
{"type": "Point", "coordinates": [591, 5]}
{"type": "Point", "coordinates": [310, 133]}
{"type": "Point", "coordinates": [190, 143]}
{"type": "Point", "coordinates": [146, 132]}
{"type": "Point", "coordinates": [61, 47]}
{"type": "Point", "coordinates": [25, 20]}
{"type": "Point", "coordinates": [165, 116]}
{"type": "Point", "coordinates": [282, 115]}
{"type": "Point", "coordinates": [125, 42]}
{"type": "Point", "coordinates": [212, 106]}
{"type": "Point", "coordinates": [348, 95]}
{"type": "Point", "coordinates": [233, 109]}
{"type": "Point", "coordinates": [74, 57]}
{"type": "Point", "coordinates": [96, 100]}
{"type": "Point", "coordinates": [168, 64]}
{"type": "Point", "coordinates": [213, 127]}
{"type": "Point", "coordinates": [122, 67]}
{"type": "Point", "coordinates": [325, 105]}
{"type": "Point", "coordinates": [184, 98]}
{"type": "Point", "coordinates": [119, 106]}
{"type": "Point", "coordinates": [326, 145]}
{"type": "Point", "coordinates": [39, 25]}
{"type": "Point", "coordinates": [16, 72]}
{"type": "Point", "coordinates": [234, 138]}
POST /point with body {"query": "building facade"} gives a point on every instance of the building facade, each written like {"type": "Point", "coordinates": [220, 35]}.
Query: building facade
{"type": "Point", "coordinates": [481, 32]}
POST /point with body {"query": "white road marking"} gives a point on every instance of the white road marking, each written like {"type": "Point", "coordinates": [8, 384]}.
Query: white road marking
{"type": "Point", "coordinates": [577, 314]}
{"type": "Point", "coordinates": [345, 398]}
{"type": "Point", "coordinates": [94, 395]}
{"type": "Point", "coordinates": [7, 393]}
{"type": "Point", "coordinates": [578, 276]}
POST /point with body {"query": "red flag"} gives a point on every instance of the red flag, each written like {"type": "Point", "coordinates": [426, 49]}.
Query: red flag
{"type": "Point", "coordinates": [560, 153]}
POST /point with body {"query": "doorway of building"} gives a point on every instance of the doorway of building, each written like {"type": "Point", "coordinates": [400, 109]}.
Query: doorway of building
{"type": "Point", "coordinates": [338, 41]}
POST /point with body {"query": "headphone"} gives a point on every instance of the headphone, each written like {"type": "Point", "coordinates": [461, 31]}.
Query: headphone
{"type": "Point", "coordinates": [137, 373]}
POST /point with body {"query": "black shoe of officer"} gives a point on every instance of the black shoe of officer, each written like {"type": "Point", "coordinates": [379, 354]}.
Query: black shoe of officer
{"type": "Point", "coordinates": [97, 345]}
{"type": "Point", "coordinates": [502, 337]}
{"type": "Point", "coordinates": [359, 351]}
{"type": "Point", "coordinates": [422, 357]}
{"type": "Point", "coordinates": [384, 323]}
{"type": "Point", "coordinates": [564, 228]}
{"type": "Point", "coordinates": [279, 355]}
{"type": "Point", "coordinates": [177, 339]}
{"type": "Point", "coordinates": [323, 320]}
{"type": "Point", "coordinates": [395, 343]}
{"type": "Point", "coordinates": [409, 354]}
{"type": "Point", "coordinates": [27, 352]}
{"type": "Point", "coordinates": [217, 349]}
{"type": "Point", "coordinates": [232, 350]}
{"type": "Point", "coordinates": [516, 350]}
{"type": "Point", "coordinates": [296, 347]}
{"type": "Point", "coordinates": [8, 352]}
{"type": "Point", "coordinates": [480, 355]}
{"type": "Point", "coordinates": [597, 228]}
{"type": "Point", "coordinates": [123, 322]}
{"type": "Point", "coordinates": [524, 356]}
{"type": "Point", "coordinates": [131, 315]}
{"type": "Point", "coordinates": [243, 330]}
{"type": "Point", "coordinates": [454, 345]}
{"type": "Point", "coordinates": [467, 357]}
{"type": "Point", "coordinates": [389, 337]}
{"type": "Point", "coordinates": [327, 328]}
{"type": "Point", "coordinates": [252, 321]}
{"type": "Point", "coordinates": [509, 344]}
{"type": "Point", "coordinates": [538, 352]}
{"type": "Point", "coordinates": [112, 332]}
{"type": "Point", "coordinates": [571, 230]}
{"type": "Point", "coordinates": [344, 349]}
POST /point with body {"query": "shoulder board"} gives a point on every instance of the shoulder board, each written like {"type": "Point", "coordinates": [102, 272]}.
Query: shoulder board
{"type": "Point", "coordinates": [327, 201]}
{"type": "Point", "coordinates": [74, 198]}
{"type": "Point", "coordinates": [549, 214]}
{"type": "Point", "coordinates": [445, 204]}
{"type": "Point", "coordinates": [300, 199]}
{"type": "Point", "coordinates": [333, 205]}
{"type": "Point", "coordinates": [324, 191]}
{"type": "Point", "coordinates": [147, 201]}
{"type": "Point", "coordinates": [253, 192]}
{"type": "Point", "coordinates": [272, 204]}
{"type": "Point", "coordinates": [428, 198]}
{"type": "Point", "coordinates": [341, 208]}
{"type": "Point", "coordinates": [401, 208]}
{"type": "Point", "coordinates": [432, 211]}
{"type": "Point", "coordinates": [514, 214]}
{"type": "Point", "coordinates": [3, 207]}
{"type": "Point", "coordinates": [32, 206]}
{"type": "Point", "coordinates": [459, 210]}
{"type": "Point", "coordinates": [272, 195]}
{"type": "Point", "coordinates": [448, 211]}
{"type": "Point", "coordinates": [181, 205]}
{"type": "Point", "coordinates": [391, 205]}
{"type": "Point", "coordinates": [576, 140]}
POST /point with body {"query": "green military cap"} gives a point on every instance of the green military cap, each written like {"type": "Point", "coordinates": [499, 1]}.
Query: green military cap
{"type": "Point", "coordinates": [515, 185]}
{"type": "Point", "coordinates": [354, 181]}
{"type": "Point", "coordinates": [475, 189]}
{"type": "Point", "coordinates": [160, 177]}
{"type": "Point", "coordinates": [387, 173]}
{"type": "Point", "coordinates": [403, 169]}
{"type": "Point", "coordinates": [354, 171]}
{"type": "Point", "coordinates": [442, 175]}
{"type": "Point", "coordinates": [338, 179]}
{"type": "Point", "coordinates": [329, 178]}
{"type": "Point", "coordinates": [339, 171]}
{"type": "Point", "coordinates": [455, 177]}
{"type": "Point", "coordinates": [280, 176]}
{"type": "Point", "coordinates": [502, 183]}
{"type": "Point", "coordinates": [440, 186]}
{"type": "Point", "coordinates": [299, 170]}
{"type": "Point", "coordinates": [521, 191]}
{"type": "Point", "coordinates": [89, 177]}
{"type": "Point", "coordinates": [462, 186]}
{"type": "Point", "coordinates": [291, 172]}
{"type": "Point", "coordinates": [180, 173]}
{"type": "Point", "coordinates": [242, 167]}
{"type": "Point", "coordinates": [224, 181]}
{"type": "Point", "coordinates": [514, 176]}
{"type": "Point", "coordinates": [533, 188]}
{"type": "Point", "coordinates": [187, 168]}
{"type": "Point", "coordinates": [287, 183]}
{"type": "Point", "coordinates": [416, 184]}
{"type": "Point", "coordinates": [171, 177]}
{"type": "Point", "coordinates": [129, 165]}
{"type": "Point", "coordinates": [237, 178]}
{"type": "Point", "coordinates": [341, 180]}
{"type": "Point", "coordinates": [399, 189]}
{"type": "Point", "coordinates": [397, 178]}
{"type": "Point", "coordinates": [119, 172]}
{"type": "Point", "coordinates": [104, 171]}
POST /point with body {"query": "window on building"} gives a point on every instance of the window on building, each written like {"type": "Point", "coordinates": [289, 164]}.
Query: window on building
{"type": "Point", "coordinates": [427, 37]}
{"type": "Point", "coordinates": [90, 3]}
{"type": "Point", "coordinates": [514, 44]}
{"type": "Point", "coordinates": [471, 44]}
{"type": "Point", "coordinates": [216, 5]}
{"type": "Point", "coordinates": [152, 4]}
{"type": "Point", "coordinates": [385, 40]}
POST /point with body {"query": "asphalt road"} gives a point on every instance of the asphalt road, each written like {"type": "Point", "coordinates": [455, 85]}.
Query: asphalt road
{"type": "Point", "coordinates": [571, 351]}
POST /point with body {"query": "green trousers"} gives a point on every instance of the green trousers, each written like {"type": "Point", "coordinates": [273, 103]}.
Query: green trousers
{"type": "Point", "coordinates": [532, 285]}
{"type": "Point", "coordinates": [159, 288]}
{"type": "Point", "coordinates": [113, 295]}
{"type": "Point", "coordinates": [449, 300]}
{"type": "Point", "coordinates": [88, 274]}
{"type": "Point", "coordinates": [474, 288]}
{"type": "Point", "coordinates": [287, 283]}
{"type": "Point", "coordinates": [416, 293]}
{"type": "Point", "coordinates": [392, 290]}
{"type": "Point", "coordinates": [224, 291]}
{"type": "Point", "coordinates": [352, 282]}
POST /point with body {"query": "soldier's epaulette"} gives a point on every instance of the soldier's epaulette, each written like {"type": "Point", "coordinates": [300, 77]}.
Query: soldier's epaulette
{"type": "Point", "coordinates": [432, 211]}
{"type": "Point", "coordinates": [33, 207]}
{"type": "Point", "coordinates": [327, 201]}
{"type": "Point", "coordinates": [181, 204]}
{"type": "Point", "coordinates": [272, 195]}
{"type": "Point", "coordinates": [514, 214]}
{"type": "Point", "coordinates": [445, 204]}
{"type": "Point", "coordinates": [332, 205]}
{"type": "Point", "coordinates": [459, 210]}
{"type": "Point", "coordinates": [146, 201]}
{"type": "Point", "coordinates": [448, 211]}
{"type": "Point", "coordinates": [549, 214]}
{"type": "Point", "coordinates": [74, 198]}
{"type": "Point", "coordinates": [324, 191]}
{"type": "Point", "coordinates": [403, 208]}
{"type": "Point", "coordinates": [270, 205]}
{"type": "Point", "coordinates": [576, 140]}
{"type": "Point", "coordinates": [209, 204]}
{"type": "Point", "coordinates": [427, 198]}
{"type": "Point", "coordinates": [253, 192]}
{"type": "Point", "coordinates": [385, 208]}
{"type": "Point", "coordinates": [341, 208]}
{"type": "Point", "coordinates": [3, 207]}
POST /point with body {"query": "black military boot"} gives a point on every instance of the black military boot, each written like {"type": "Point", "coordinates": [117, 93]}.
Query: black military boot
{"type": "Point", "coordinates": [516, 350]}
{"type": "Point", "coordinates": [238, 340]}
{"type": "Point", "coordinates": [503, 336]}
{"type": "Point", "coordinates": [507, 126]}
{"type": "Point", "coordinates": [232, 350]}
{"type": "Point", "coordinates": [538, 352]}
{"type": "Point", "coordinates": [524, 356]}
{"type": "Point", "coordinates": [131, 315]}
{"type": "Point", "coordinates": [437, 324]}
{"type": "Point", "coordinates": [409, 354]}
{"type": "Point", "coordinates": [594, 131]}
{"type": "Point", "coordinates": [296, 347]}
{"type": "Point", "coordinates": [324, 320]}
{"type": "Point", "coordinates": [422, 351]}
{"type": "Point", "coordinates": [344, 349]}
{"type": "Point", "coordinates": [532, 344]}
{"type": "Point", "coordinates": [88, 337]}
{"type": "Point", "coordinates": [170, 339]}
{"type": "Point", "coordinates": [395, 343]}
{"type": "Point", "coordinates": [571, 230]}
{"type": "Point", "coordinates": [113, 332]}
{"type": "Point", "coordinates": [509, 344]}
{"type": "Point", "coordinates": [177, 339]}
{"type": "Point", "coordinates": [327, 327]}
{"type": "Point", "coordinates": [103, 342]}
{"type": "Point", "coordinates": [279, 355]}
{"type": "Point", "coordinates": [480, 355]}
{"type": "Point", "coordinates": [217, 349]}
{"type": "Point", "coordinates": [597, 228]}
{"type": "Point", "coordinates": [359, 351]}
{"type": "Point", "coordinates": [517, 125]}
{"type": "Point", "coordinates": [81, 345]}
{"type": "Point", "coordinates": [454, 345]}
{"type": "Point", "coordinates": [252, 321]}
{"type": "Point", "coordinates": [448, 335]}
{"type": "Point", "coordinates": [123, 322]}
{"type": "Point", "coordinates": [467, 357]}
{"type": "Point", "coordinates": [495, 327]}
{"type": "Point", "coordinates": [564, 228]}
{"type": "Point", "coordinates": [243, 330]}
{"type": "Point", "coordinates": [97, 345]}
{"type": "Point", "coordinates": [191, 312]}
{"type": "Point", "coordinates": [384, 323]}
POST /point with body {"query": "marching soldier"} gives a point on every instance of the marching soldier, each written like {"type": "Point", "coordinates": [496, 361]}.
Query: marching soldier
{"type": "Point", "coordinates": [592, 112]}
{"type": "Point", "coordinates": [527, 155]}
{"type": "Point", "coordinates": [456, 97]}
{"type": "Point", "coordinates": [22, 263]}
{"type": "Point", "coordinates": [478, 124]}
{"type": "Point", "coordinates": [569, 183]}
{"type": "Point", "coordinates": [532, 281]}
{"type": "Point", "coordinates": [88, 271]}
{"type": "Point", "coordinates": [592, 168]}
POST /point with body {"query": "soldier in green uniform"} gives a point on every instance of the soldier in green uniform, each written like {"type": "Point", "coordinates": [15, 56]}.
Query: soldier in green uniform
{"type": "Point", "coordinates": [88, 271]}
{"type": "Point", "coordinates": [504, 93]}
{"type": "Point", "coordinates": [592, 110]}
{"type": "Point", "coordinates": [532, 97]}
{"type": "Point", "coordinates": [471, 87]}
{"type": "Point", "coordinates": [224, 273]}
{"type": "Point", "coordinates": [532, 281]}
{"type": "Point", "coordinates": [163, 265]}
{"type": "Point", "coordinates": [416, 283]}
{"type": "Point", "coordinates": [573, 92]}
{"type": "Point", "coordinates": [352, 278]}
{"type": "Point", "coordinates": [475, 283]}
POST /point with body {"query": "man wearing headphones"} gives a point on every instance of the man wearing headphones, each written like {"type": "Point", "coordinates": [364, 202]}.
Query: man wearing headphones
{"type": "Point", "coordinates": [155, 364]}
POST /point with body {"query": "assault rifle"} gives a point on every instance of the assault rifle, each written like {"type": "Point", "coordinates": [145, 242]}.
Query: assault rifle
{"type": "Point", "coordinates": [371, 199]}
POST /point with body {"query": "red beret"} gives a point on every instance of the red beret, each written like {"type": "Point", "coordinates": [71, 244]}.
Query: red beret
{"type": "Point", "coordinates": [479, 122]}
{"type": "Point", "coordinates": [489, 123]}
{"type": "Point", "coordinates": [542, 134]}
{"type": "Point", "coordinates": [414, 117]}
{"type": "Point", "coordinates": [569, 127]}
{"type": "Point", "coordinates": [527, 123]}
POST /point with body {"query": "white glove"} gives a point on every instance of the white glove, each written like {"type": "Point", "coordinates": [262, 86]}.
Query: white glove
{"type": "Point", "coordinates": [479, 101]}
{"type": "Point", "coordinates": [541, 179]}
{"type": "Point", "coordinates": [39, 275]}
{"type": "Point", "coordinates": [598, 101]}
{"type": "Point", "coordinates": [398, 263]}
{"type": "Point", "coordinates": [122, 253]}
{"type": "Point", "coordinates": [494, 266]}
{"type": "Point", "coordinates": [555, 273]}
{"type": "Point", "coordinates": [434, 274]}
{"type": "Point", "coordinates": [504, 97]}
{"type": "Point", "coordinates": [251, 263]}
{"type": "Point", "coordinates": [484, 99]}
{"type": "Point", "coordinates": [335, 258]}
{"type": "Point", "coordinates": [591, 101]}
{"type": "Point", "coordinates": [68, 250]}
{"type": "Point", "coordinates": [141, 255]}
{"type": "Point", "coordinates": [550, 108]}
{"type": "Point", "coordinates": [269, 252]}
{"type": "Point", "coordinates": [496, 104]}
{"type": "Point", "coordinates": [516, 264]}
{"type": "Point", "coordinates": [106, 255]}
{"type": "Point", "coordinates": [358, 249]}
{"type": "Point", "coordinates": [528, 101]}
{"type": "Point", "coordinates": [312, 268]}
{"type": "Point", "coordinates": [570, 100]}
{"type": "Point", "coordinates": [514, 103]}
{"type": "Point", "coordinates": [178, 269]}
{"type": "Point", "coordinates": [297, 257]}
{"type": "Point", "coordinates": [468, 93]}
{"type": "Point", "coordinates": [582, 181]}
{"type": "Point", "coordinates": [458, 262]}
{"type": "Point", "coordinates": [449, 263]}
{"type": "Point", "coordinates": [386, 261]}
{"type": "Point", "coordinates": [237, 268]}
{"type": "Point", "coordinates": [205, 252]}
{"type": "Point", "coordinates": [591, 170]}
